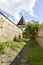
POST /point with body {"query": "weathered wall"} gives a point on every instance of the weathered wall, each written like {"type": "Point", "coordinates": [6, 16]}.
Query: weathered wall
{"type": "Point", "coordinates": [22, 27]}
{"type": "Point", "coordinates": [39, 37]}
{"type": "Point", "coordinates": [40, 41]}
{"type": "Point", "coordinates": [8, 30]}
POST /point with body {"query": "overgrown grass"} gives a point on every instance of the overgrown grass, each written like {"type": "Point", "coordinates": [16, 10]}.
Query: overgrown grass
{"type": "Point", "coordinates": [3, 47]}
{"type": "Point", "coordinates": [15, 45]}
{"type": "Point", "coordinates": [35, 53]}
{"type": "Point", "coordinates": [32, 54]}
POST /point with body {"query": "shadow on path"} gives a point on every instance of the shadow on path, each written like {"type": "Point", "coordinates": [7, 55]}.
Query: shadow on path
{"type": "Point", "coordinates": [23, 57]}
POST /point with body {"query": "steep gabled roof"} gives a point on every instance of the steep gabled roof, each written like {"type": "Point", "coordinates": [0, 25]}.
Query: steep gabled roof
{"type": "Point", "coordinates": [22, 21]}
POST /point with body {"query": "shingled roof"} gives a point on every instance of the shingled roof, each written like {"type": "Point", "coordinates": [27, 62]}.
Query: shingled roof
{"type": "Point", "coordinates": [22, 21]}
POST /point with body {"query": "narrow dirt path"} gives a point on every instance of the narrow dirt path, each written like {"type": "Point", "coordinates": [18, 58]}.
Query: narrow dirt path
{"type": "Point", "coordinates": [23, 57]}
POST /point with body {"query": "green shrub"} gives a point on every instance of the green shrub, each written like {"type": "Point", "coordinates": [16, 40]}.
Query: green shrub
{"type": "Point", "coordinates": [31, 30]}
{"type": "Point", "coordinates": [3, 47]}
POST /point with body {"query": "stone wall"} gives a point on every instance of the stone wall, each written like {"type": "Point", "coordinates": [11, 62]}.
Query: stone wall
{"type": "Point", "coordinates": [39, 37]}
{"type": "Point", "coordinates": [40, 41]}
{"type": "Point", "coordinates": [8, 30]}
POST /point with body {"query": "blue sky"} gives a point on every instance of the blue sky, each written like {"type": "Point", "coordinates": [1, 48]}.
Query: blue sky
{"type": "Point", "coordinates": [38, 9]}
{"type": "Point", "coordinates": [15, 9]}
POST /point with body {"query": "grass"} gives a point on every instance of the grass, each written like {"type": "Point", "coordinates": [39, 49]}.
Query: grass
{"type": "Point", "coordinates": [15, 45]}
{"type": "Point", "coordinates": [32, 54]}
{"type": "Point", "coordinates": [35, 53]}
{"type": "Point", "coordinates": [3, 48]}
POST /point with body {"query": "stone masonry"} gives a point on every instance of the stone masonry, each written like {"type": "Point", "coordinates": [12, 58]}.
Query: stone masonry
{"type": "Point", "coordinates": [39, 37]}
{"type": "Point", "coordinates": [8, 30]}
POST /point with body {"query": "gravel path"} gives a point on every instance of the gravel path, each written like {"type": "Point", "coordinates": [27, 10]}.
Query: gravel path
{"type": "Point", "coordinates": [23, 57]}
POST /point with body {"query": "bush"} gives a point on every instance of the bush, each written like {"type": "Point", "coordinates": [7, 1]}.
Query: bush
{"type": "Point", "coordinates": [3, 48]}
{"type": "Point", "coordinates": [31, 30]}
{"type": "Point", "coordinates": [5, 45]}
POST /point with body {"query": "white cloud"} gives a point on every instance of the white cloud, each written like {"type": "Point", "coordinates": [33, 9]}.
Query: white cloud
{"type": "Point", "coordinates": [15, 6]}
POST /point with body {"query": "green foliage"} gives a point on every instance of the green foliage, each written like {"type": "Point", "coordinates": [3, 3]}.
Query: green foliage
{"type": "Point", "coordinates": [15, 45]}
{"type": "Point", "coordinates": [3, 48]}
{"type": "Point", "coordinates": [24, 40]}
{"type": "Point", "coordinates": [32, 53]}
{"type": "Point", "coordinates": [9, 43]}
{"type": "Point", "coordinates": [18, 44]}
{"type": "Point", "coordinates": [35, 53]}
{"type": "Point", "coordinates": [31, 29]}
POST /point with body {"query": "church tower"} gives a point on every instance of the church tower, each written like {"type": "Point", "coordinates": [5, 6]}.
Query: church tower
{"type": "Point", "coordinates": [21, 24]}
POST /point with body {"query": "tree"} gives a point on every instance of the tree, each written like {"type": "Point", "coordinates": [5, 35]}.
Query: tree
{"type": "Point", "coordinates": [31, 29]}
